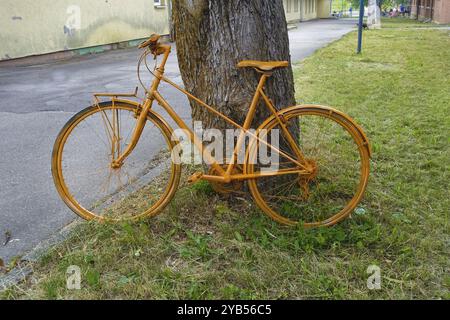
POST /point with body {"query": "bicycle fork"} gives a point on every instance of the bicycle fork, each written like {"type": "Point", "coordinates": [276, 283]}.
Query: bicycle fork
{"type": "Point", "coordinates": [142, 119]}
{"type": "Point", "coordinates": [140, 123]}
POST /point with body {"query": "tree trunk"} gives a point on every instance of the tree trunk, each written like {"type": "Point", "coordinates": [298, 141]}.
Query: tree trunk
{"type": "Point", "coordinates": [213, 36]}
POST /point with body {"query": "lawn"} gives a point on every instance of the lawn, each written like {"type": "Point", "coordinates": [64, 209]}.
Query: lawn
{"type": "Point", "coordinates": [406, 22]}
{"type": "Point", "coordinates": [204, 246]}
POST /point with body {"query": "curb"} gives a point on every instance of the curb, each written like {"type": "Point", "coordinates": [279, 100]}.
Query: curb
{"type": "Point", "coordinates": [24, 268]}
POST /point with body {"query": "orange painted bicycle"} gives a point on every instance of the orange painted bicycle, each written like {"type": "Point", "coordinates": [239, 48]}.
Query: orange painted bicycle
{"type": "Point", "coordinates": [114, 159]}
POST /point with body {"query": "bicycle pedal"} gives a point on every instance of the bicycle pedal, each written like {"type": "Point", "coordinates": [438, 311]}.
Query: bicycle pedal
{"type": "Point", "coordinates": [195, 177]}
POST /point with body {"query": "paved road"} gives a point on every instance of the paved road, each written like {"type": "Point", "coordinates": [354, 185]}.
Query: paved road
{"type": "Point", "coordinates": [35, 102]}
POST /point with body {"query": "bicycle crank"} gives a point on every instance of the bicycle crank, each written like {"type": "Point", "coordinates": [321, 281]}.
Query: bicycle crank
{"type": "Point", "coordinates": [226, 188]}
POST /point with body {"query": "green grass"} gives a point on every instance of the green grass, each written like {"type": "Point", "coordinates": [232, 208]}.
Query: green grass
{"type": "Point", "coordinates": [406, 22]}
{"type": "Point", "coordinates": [204, 246]}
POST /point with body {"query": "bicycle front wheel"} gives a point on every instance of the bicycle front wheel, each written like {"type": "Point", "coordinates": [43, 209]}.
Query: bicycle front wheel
{"type": "Point", "coordinates": [337, 155]}
{"type": "Point", "coordinates": [82, 164]}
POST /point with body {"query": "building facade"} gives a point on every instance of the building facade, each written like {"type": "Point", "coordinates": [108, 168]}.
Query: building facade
{"type": "Point", "coordinates": [30, 27]}
{"type": "Point", "coordinates": [437, 11]}
{"type": "Point", "coordinates": [304, 10]}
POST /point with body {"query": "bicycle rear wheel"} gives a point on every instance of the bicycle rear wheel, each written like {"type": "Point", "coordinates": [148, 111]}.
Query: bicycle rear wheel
{"type": "Point", "coordinates": [82, 156]}
{"type": "Point", "coordinates": [336, 151]}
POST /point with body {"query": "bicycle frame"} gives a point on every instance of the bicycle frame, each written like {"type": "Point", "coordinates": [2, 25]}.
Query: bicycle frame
{"type": "Point", "coordinates": [225, 175]}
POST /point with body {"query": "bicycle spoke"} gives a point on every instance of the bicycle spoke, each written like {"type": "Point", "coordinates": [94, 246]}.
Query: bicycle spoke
{"type": "Point", "coordinates": [330, 151]}
{"type": "Point", "coordinates": [88, 178]}
{"type": "Point", "coordinates": [96, 133]}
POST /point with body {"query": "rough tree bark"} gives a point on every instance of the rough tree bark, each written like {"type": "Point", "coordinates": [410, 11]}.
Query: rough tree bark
{"type": "Point", "coordinates": [213, 36]}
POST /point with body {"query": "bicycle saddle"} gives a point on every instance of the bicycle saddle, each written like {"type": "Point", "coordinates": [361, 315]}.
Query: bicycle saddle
{"type": "Point", "coordinates": [262, 65]}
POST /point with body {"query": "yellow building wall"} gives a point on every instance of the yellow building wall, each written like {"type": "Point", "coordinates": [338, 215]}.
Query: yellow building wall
{"type": "Point", "coordinates": [29, 27]}
{"type": "Point", "coordinates": [309, 10]}
{"type": "Point", "coordinates": [323, 8]}
{"type": "Point", "coordinates": [304, 10]}
{"type": "Point", "coordinates": [292, 10]}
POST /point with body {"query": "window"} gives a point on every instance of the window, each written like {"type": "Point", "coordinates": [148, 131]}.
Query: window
{"type": "Point", "coordinates": [160, 4]}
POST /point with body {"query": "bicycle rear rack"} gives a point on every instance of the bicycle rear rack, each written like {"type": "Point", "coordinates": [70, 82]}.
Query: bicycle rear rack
{"type": "Point", "coordinates": [115, 95]}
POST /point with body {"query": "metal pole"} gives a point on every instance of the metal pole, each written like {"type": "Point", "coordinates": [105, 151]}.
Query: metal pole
{"type": "Point", "coordinates": [360, 25]}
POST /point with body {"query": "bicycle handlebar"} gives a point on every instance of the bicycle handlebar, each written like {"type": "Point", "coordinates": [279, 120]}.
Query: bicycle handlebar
{"type": "Point", "coordinates": [153, 44]}
{"type": "Point", "coordinates": [150, 42]}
